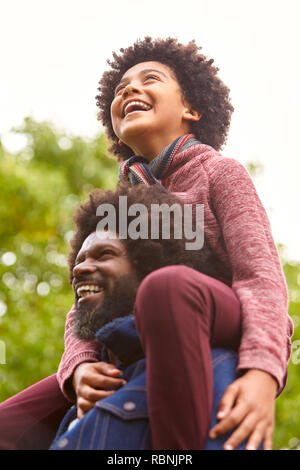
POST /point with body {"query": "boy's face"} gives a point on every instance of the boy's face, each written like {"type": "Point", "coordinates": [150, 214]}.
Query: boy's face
{"type": "Point", "coordinates": [148, 110]}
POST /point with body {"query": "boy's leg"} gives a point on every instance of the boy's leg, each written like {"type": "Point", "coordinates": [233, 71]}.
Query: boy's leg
{"type": "Point", "coordinates": [30, 419]}
{"type": "Point", "coordinates": [180, 313]}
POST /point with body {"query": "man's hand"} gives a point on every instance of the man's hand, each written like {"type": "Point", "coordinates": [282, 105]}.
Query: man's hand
{"type": "Point", "coordinates": [248, 405]}
{"type": "Point", "coordinates": [89, 380]}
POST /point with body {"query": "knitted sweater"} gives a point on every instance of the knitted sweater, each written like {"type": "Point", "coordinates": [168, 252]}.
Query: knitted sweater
{"type": "Point", "coordinates": [237, 229]}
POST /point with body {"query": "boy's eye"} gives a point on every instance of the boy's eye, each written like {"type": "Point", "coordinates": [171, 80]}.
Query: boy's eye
{"type": "Point", "coordinates": [118, 89]}
{"type": "Point", "coordinates": [151, 77]}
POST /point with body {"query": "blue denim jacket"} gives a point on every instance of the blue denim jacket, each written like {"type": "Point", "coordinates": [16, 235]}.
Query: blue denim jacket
{"type": "Point", "coordinates": [120, 422]}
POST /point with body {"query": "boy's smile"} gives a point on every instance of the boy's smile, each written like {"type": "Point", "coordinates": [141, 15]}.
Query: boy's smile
{"type": "Point", "coordinates": [133, 105]}
{"type": "Point", "coordinates": [148, 111]}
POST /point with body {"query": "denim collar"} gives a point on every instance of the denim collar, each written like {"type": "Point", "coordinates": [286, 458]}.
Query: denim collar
{"type": "Point", "coordinates": [121, 337]}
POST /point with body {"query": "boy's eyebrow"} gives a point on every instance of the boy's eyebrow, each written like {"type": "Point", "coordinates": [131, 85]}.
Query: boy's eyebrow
{"type": "Point", "coordinates": [142, 72]}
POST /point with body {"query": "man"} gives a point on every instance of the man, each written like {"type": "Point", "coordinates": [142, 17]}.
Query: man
{"type": "Point", "coordinates": [113, 278]}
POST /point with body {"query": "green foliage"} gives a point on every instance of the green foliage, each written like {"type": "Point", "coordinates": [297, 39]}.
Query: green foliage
{"type": "Point", "coordinates": [40, 188]}
{"type": "Point", "coordinates": [287, 433]}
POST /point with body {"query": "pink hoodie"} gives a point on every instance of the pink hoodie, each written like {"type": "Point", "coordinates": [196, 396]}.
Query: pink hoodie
{"type": "Point", "coordinates": [238, 231]}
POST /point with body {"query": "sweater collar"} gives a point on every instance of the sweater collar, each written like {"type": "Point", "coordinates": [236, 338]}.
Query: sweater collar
{"type": "Point", "coordinates": [159, 164]}
{"type": "Point", "coordinates": [140, 170]}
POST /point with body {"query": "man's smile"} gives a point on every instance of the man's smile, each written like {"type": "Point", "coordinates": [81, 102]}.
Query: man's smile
{"type": "Point", "coordinates": [88, 290]}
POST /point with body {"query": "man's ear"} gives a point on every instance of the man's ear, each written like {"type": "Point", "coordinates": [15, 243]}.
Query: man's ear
{"type": "Point", "coordinates": [190, 114]}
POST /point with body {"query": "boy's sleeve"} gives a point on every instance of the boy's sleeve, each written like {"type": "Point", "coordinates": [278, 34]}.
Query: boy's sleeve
{"type": "Point", "coordinates": [76, 352]}
{"type": "Point", "coordinates": [258, 278]}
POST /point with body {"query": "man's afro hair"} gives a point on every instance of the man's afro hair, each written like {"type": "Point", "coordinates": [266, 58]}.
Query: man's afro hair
{"type": "Point", "coordinates": [146, 255]}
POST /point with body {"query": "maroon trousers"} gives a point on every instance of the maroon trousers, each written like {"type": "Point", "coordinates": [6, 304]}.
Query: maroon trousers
{"type": "Point", "coordinates": [180, 313]}
{"type": "Point", "coordinates": [29, 420]}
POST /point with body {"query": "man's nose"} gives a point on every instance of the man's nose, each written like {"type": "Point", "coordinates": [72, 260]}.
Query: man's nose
{"type": "Point", "coordinates": [130, 90]}
{"type": "Point", "coordinates": [86, 267]}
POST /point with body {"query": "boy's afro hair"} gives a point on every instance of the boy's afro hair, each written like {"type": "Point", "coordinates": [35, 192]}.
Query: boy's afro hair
{"type": "Point", "coordinates": [197, 77]}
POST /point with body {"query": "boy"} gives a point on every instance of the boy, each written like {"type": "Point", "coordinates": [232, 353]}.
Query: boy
{"type": "Point", "coordinates": [158, 91]}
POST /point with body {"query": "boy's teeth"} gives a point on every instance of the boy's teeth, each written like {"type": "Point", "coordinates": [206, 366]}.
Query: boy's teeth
{"type": "Point", "coordinates": [134, 104]}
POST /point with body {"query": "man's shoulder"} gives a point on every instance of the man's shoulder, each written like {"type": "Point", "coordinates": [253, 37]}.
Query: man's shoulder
{"type": "Point", "coordinates": [120, 419]}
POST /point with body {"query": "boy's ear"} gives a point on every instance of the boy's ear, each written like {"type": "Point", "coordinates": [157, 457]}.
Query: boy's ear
{"type": "Point", "coordinates": [190, 114]}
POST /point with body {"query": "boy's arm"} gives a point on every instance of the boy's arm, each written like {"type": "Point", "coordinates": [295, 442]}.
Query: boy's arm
{"type": "Point", "coordinates": [248, 404]}
{"type": "Point", "coordinates": [258, 278]}
{"type": "Point", "coordinates": [248, 409]}
{"type": "Point", "coordinates": [76, 352]}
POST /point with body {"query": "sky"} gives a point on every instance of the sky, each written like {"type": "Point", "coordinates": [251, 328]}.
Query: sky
{"type": "Point", "coordinates": [52, 54]}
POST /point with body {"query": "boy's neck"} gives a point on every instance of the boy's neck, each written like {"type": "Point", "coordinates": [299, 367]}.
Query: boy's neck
{"type": "Point", "coordinates": [150, 149]}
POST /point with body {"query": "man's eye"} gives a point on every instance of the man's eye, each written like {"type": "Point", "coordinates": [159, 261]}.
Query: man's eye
{"type": "Point", "coordinates": [107, 252]}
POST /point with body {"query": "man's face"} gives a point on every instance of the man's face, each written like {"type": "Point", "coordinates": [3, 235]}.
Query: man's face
{"type": "Point", "coordinates": [104, 283]}
{"type": "Point", "coordinates": [148, 103]}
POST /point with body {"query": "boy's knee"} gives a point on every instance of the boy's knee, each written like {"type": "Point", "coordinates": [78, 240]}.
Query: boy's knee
{"type": "Point", "coordinates": [171, 286]}
{"type": "Point", "coordinates": [158, 282]}
{"type": "Point", "coordinates": [158, 287]}
{"type": "Point", "coordinates": [166, 297]}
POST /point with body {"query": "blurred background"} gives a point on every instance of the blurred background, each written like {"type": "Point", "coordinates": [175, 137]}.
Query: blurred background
{"type": "Point", "coordinates": [53, 150]}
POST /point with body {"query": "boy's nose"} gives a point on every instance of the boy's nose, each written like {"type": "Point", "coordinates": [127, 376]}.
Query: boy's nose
{"type": "Point", "coordinates": [130, 89]}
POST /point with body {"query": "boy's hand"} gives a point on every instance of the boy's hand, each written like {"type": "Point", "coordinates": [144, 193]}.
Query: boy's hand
{"type": "Point", "coordinates": [88, 380]}
{"type": "Point", "coordinates": [248, 405]}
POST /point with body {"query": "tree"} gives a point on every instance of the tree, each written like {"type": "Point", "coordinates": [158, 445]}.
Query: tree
{"type": "Point", "coordinates": [287, 433]}
{"type": "Point", "coordinates": [40, 188]}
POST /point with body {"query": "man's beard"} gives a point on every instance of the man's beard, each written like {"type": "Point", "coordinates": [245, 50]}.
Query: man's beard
{"type": "Point", "coordinates": [118, 303]}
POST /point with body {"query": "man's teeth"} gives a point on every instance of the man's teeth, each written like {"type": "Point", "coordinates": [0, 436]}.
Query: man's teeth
{"type": "Point", "coordinates": [87, 289]}
{"type": "Point", "coordinates": [134, 104]}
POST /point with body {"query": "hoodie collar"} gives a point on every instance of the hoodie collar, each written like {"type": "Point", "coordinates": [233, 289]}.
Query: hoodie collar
{"type": "Point", "coordinates": [121, 337]}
